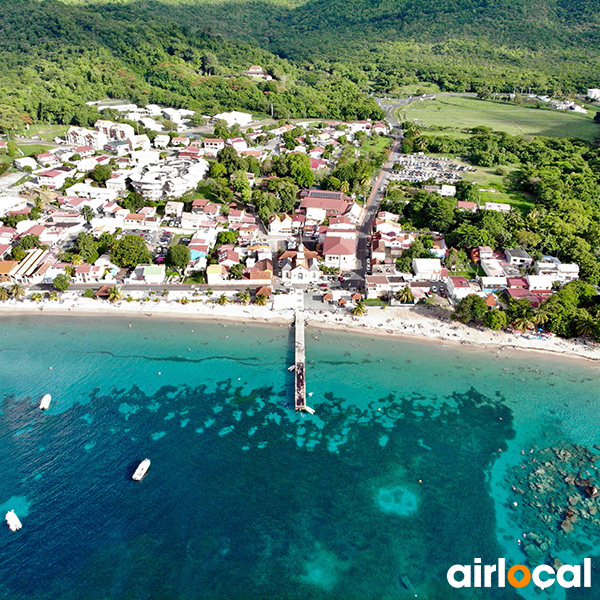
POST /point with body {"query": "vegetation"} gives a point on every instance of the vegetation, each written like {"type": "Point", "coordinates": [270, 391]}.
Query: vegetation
{"type": "Point", "coordinates": [560, 176]}
{"type": "Point", "coordinates": [460, 113]}
{"type": "Point", "coordinates": [55, 58]}
{"type": "Point", "coordinates": [130, 251]}
{"type": "Point", "coordinates": [178, 257]}
{"type": "Point", "coordinates": [457, 45]}
{"type": "Point", "coordinates": [572, 311]}
{"type": "Point", "coordinates": [114, 294]}
{"type": "Point", "coordinates": [61, 282]}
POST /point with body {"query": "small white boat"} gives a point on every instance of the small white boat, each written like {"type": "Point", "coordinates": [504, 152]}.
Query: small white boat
{"type": "Point", "coordinates": [13, 521]}
{"type": "Point", "coordinates": [45, 403]}
{"type": "Point", "coordinates": [292, 368]}
{"type": "Point", "coordinates": [309, 410]}
{"type": "Point", "coordinates": [142, 469]}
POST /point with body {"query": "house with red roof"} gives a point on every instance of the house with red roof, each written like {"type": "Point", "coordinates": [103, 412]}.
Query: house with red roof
{"type": "Point", "coordinates": [84, 151]}
{"type": "Point", "coordinates": [317, 205]}
{"type": "Point", "coordinates": [458, 287]}
{"type": "Point", "coordinates": [339, 252]}
{"type": "Point", "coordinates": [213, 145]}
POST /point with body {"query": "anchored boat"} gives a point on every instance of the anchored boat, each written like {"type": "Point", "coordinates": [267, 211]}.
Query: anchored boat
{"type": "Point", "coordinates": [142, 469]}
{"type": "Point", "coordinates": [45, 403]}
{"type": "Point", "coordinates": [13, 521]}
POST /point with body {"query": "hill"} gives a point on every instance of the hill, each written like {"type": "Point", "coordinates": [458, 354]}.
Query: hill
{"type": "Point", "coordinates": [56, 57]}
{"type": "Point", "coordinates": [461, 45]}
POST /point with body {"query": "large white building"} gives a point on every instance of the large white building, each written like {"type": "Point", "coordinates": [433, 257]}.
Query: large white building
{"type": "Point", "coordinates": [234, 118]}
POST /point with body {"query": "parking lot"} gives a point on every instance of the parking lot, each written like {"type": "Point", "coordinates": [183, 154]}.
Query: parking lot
{"type": "Point", "coordinates": [421, 168]}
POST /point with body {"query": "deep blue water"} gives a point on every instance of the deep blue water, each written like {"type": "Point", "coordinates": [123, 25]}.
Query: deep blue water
{"type": "Point", "coordinates": [406, 468]}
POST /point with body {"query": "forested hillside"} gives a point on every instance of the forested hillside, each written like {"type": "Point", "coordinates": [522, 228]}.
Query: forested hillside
{"type": "Point", "coordinates": [549, 45]}
{"type": "Point", "coordinates": [56, 57]}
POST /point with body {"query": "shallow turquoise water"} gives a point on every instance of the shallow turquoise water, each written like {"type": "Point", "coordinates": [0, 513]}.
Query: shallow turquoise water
{"type": "Point", "coordinates": [403, 471]}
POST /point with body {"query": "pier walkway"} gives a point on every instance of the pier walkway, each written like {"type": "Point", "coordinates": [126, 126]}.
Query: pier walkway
{"type": "Point", "coordinates": [300, 365]}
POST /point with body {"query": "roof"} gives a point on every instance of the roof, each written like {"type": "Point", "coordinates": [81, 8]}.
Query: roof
{"type": "Point", "coordinates": [215, 269]}
{"type": "Point", "coordinates": [517, 253]}
{"type": "Point", "coordinates": [459, 282]}
{"type": "Point", "coordinates": [6, 266]}
{"type": "Point", "coordinates": [337, 246]}
{"type": "Point", "coordinates": [154, 269]}
{"type": "Point", "coordinates": [265, 290]}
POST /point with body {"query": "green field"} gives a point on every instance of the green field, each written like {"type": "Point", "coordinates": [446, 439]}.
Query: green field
{"type": "Point", "coordinates": [493, 188]}
{"type": "Point", "coordinates": [462, 112]}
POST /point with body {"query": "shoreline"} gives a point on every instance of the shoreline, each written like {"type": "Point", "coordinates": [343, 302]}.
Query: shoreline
{"type": "Point", "coordinates": [394, 323]}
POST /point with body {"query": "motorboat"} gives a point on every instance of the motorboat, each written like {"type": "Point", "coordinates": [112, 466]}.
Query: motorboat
{"type": "Point", "coordinates": [45, 402]}
{"type": "Point", "coordinates": [13, 521]}
{"type": "Point", "coordinates": [142, 469]}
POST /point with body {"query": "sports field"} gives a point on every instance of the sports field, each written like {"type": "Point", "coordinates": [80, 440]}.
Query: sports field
{"type": "Point", "coordinates": [460, 112]}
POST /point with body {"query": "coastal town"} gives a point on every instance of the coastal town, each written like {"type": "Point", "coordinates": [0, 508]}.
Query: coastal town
{"type": "Point", "coordinates": [224, 210]}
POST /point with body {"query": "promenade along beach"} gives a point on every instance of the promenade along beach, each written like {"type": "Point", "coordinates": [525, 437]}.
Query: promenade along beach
{"type": "Point", "coordinates": [413, 461]}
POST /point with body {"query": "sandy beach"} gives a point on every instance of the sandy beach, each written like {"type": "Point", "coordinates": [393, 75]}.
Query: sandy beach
{"type": "Point", "coordinates": [410, 323]}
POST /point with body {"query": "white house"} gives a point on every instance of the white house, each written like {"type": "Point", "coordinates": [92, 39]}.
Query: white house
{"type": "Point", "coordinates": [339, 252]}
{"type": "Point", "coordinates": [458, 287]}
{"type": "Point", "coordinates": [538, 283]}
{"type": "Point", "coordinates": [214, 144]}
{"type": "Point", "coordinates": [216, 274]}
{"type": "Point", "coordinates": [280, 224]}
{"type": "Point", "coordinates": [427, 269]}
{"type": "Point", "coordinates": [161, 141]}
{"type": "Point", "coordinates": [517, 257]}
{"type": "Point", "coordinates": [234, 118]}
{"type": "Point", "coordinates": [174, 209]}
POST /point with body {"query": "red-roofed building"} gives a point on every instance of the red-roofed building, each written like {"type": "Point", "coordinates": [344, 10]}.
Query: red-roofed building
{"type": "Point", "coordinates": [84, 151]}
{"type": "Point", "coordinates": [214, 144]}
{"type": "Point", "coordinates": [317, 205]}
{"type": "Point", "coordinates": [192, 152]}
{"type": "Point", "coordinates": [467, 206]}
{"type": "Point", "coordinates": [317, 163]}
{"type": "Point", "coordinates": [517, 283]}
{"type": "Point", "coordinates": [339, 253]}
{"type": "Point", "coordinates": [458, 287]}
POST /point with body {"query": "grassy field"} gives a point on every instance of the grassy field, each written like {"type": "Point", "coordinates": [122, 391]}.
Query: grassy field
{"type": "Point", "coordinates": [46, 132]}
{"type": "Point", "coordinates": [460, 112]}
{"type": "Point", "coordinates": [493, 188]}
{"type": "Point", "coordinates": [377, 146]}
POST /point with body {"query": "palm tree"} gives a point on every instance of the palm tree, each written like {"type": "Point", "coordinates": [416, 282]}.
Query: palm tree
{"type": "Point", "coordinates": [522, 324]}
{"type": "Point", "coordinates": [36, 297]}
{"type": "Point", "coordinates": [87, 213]}
{"type": "Point", "coordinates": [3, 294]}
{"type": "Point", "coordinates": [405, 295]}
{"type": "Point", "coordinates": [541, 317]}
{"type": "Point", "coordinates": [222, 300]}
{"type": "Point", "coordinates": [261, 300]}
{"type": "Point", "coordinates": [345, 187]}
{"type": "Point", "coordinates": [114, 294]}
{"type": "Point", "coordinates": [209, 292]}
{"type": "Point", "coordinates": [77, 259]}
{"type": "Point", "coordinates": [359, 309]}
{"type": "Point", "coordinates": [244, 298]}
{"type": "Point", "coordinates": [53, 296]}
{"type": "Point", "coordinates": [69, 270]}
{"type": "Point", "coordinates": [17, 291]}
{"type": "Point", "coordinates": [584, 325]}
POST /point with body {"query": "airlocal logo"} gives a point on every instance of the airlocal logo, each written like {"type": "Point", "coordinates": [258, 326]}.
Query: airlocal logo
{"type": "Point", "coordinates": [543, 576]}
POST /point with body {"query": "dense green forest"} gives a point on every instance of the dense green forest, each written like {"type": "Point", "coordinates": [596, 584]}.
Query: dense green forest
{"type": "Point", "coordinates": [56, 57]}
{"type": "Point", "coordinates": [548, 45]}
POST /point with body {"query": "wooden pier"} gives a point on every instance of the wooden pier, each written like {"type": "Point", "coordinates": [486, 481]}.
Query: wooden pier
{"type": "Point", "coordinates": [300, 365]}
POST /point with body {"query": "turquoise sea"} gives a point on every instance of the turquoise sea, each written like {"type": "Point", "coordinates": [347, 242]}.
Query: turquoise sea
{"type": "Point", "coordinates": [412, 463]}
